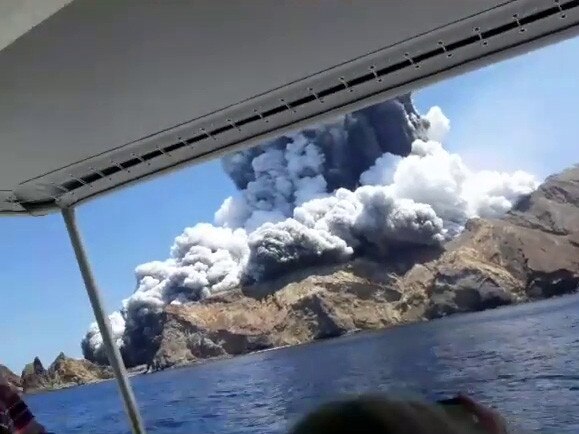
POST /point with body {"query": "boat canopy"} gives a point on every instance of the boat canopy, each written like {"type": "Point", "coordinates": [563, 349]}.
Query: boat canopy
{"type": "Point", "coordinates": [96, 95]}
{"type": "Point", "coordinates": [103, 94]}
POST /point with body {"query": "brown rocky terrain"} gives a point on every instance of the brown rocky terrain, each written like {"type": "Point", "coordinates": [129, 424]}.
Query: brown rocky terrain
{"type": "Point", "coordinates": [63, 372]}
{"type": "Point", "coordinates": [293, 310]}
{"type": "Point", "coordinates": [13, 379]}
{"type": "Point", "coordinates": [531, 253]}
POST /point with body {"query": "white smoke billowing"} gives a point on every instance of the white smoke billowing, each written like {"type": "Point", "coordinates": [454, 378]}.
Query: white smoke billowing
{"type": "Point", "coordinates": [370, 183]}
{"type": "Point", "coordinates": [276, 248]}
{"type": "Point", "coordinates": [373, 216]}
{"type": "Point", "coordinates": [277, 176]}
{"type": "Point", "coordinates": [439, 124]}
{"type": "Point", "coordinates": [92, 344]}
{"type": "Point", "coordinates": [283, 178]}
{"type": "Point", "coordinates": [204, 259]}
{"type": "Point", "coordinates": [434, 176]}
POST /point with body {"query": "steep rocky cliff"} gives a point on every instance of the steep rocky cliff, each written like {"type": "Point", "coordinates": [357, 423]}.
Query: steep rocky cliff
{"type": "Point", "coordinates": [533, 252]}
{"type": "Point", "coordinates": [63, 372]}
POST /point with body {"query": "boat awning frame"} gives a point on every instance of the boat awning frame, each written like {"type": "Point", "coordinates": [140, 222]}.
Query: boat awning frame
{"type": "Point", "coordinates": [493, 34]}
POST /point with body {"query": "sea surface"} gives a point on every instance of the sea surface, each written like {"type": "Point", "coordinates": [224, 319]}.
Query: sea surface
{"type": "Point", "coordinates": [523, 360]}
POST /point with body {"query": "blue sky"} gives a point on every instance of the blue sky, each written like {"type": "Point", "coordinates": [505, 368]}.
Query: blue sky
{"type": "Point", "coordinates": [519, 114]}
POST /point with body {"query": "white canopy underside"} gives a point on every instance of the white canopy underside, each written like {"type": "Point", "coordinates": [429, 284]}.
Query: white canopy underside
{"type": "Point", "coordinates": [103, 93]}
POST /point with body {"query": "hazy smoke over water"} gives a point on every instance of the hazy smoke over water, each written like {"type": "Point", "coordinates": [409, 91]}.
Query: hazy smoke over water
{"type": "Point", "coordinates": [372, 181]}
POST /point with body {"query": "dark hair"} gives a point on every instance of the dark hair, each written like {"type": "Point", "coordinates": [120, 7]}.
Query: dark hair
{"type": "Point", "coordinates": [377, 415]}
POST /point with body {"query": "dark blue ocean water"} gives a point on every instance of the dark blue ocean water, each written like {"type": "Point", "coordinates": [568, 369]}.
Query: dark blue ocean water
{"type": "Point", "coordinates": [523, 359]}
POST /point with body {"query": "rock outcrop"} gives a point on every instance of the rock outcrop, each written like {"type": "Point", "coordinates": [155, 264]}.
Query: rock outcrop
{"type": "Point", "coordinates": [13, 379]}
{"type": "Point", "coordinates": [63, 372]}
{"type": "Point", "coordinates": [531, 253]}
{"type": "Point", "coordinates": [35, 377]}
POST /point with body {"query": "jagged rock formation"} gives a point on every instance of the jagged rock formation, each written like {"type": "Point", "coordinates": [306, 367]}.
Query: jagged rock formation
{"type": "Point", "coordinates": [63, 372]}
{"type": "Point", "coordinates": [34, 376]}
{"type": "Point", "coordinates": [533, 252]}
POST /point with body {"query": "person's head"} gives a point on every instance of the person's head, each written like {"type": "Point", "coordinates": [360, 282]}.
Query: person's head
{"type": "Point", "coordinates": [377, 415]}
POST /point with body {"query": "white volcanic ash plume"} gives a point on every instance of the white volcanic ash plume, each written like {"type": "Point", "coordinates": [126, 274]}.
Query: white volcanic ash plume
{"type": "Point", "coordinates": [372, 218]}
{"type": "Point", "coordinates": [279, 175]}
{"type": "Point", "coordinates": [92, 344]}
{"type": "Point", "coordinates": [433, 176]}
{"type": "Point", "coordinates": [276, 248]}
{"type": "Point", "coordinates": [204, 259]}
{"type": "Point", "coordinates": [372, 182]}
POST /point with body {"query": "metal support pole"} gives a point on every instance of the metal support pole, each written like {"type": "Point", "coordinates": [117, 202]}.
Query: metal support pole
{"type": "Point", "coordinates": [112, 350]}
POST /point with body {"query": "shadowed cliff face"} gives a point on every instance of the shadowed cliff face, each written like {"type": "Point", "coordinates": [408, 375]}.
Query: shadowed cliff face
{"type": "Point", "coordinates": [532, 253]}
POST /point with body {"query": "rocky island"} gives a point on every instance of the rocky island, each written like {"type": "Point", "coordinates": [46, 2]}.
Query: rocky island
{"type": "Point", "coordinates": [64, 372]}
{"type": "Point", "coordinates": [531, 253]}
